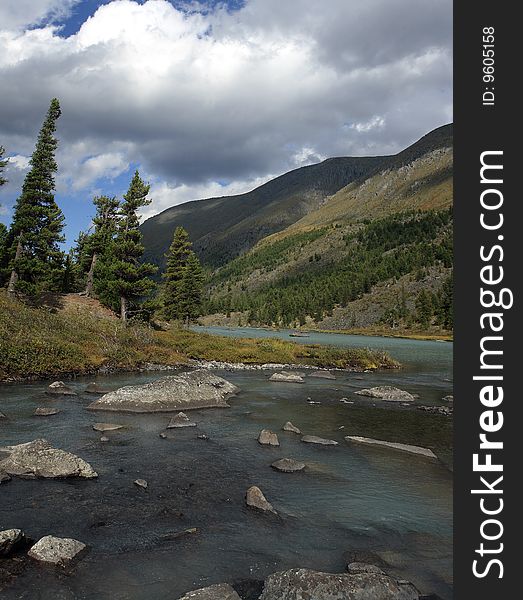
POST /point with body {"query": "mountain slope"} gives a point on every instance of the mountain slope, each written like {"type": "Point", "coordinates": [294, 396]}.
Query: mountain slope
{"type": "Point", "coordinates": [222, 228]}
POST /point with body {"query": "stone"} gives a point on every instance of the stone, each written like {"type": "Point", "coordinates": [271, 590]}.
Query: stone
{"type": "Point", "coordinates": [202, 436]}
{"type": "Point", "coordinates": [180, 420]}
{"type": "Point", "coordinates": [141, 483]}
{"type": "Point", "coordinates": [287, 378]}
{"type": "Point", "coordinates": [95, 388]}
{"type": "Point", "coordinates": [38, 459]}
{"type": "Point", "coordinates": [190, 390]}
{"type": "Point", "coordinates": [220, 591]}
{"type": "Point", "coordinates": [268, 438]}
{"type": "Point", "coordinates": [448, 398]}
{"type": "Point", "coordinates": [56, 551]}
{"type": "Point", "coordinates": [388, 393]}
{"type": "Point", "coordinates": [288, 465]}
{"type": "Point", "coordinates": [104, 438]}
{"type": "Point", "coordinates": [2, 416]}
{"type": "Point", "coordinates": [322, 375]}
{"type": "Point", "coordinates": [395, 446]}
{"type": "Point", "coordinates": [45, 412]}
{"type": "Point", "coordinates": [254, 498]}
{"type": "Point", "coordinates": [305, 584]}
{"type": "Point", "coordinates": [9, 539]}
{"type": "Point", "coordinates": [59, 388]}
{"type": "Point", "coordinates": [314, 439]}
{"type": "Point", "coordinates": [290, 427]}
{"type": "Point", "coordinates": [358, 567]}
{"type": "Point", "coordinates": [107, 426]}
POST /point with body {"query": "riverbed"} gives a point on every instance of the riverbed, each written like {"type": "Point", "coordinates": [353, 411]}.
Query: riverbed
{"type": "Point", "coordinates": [350, 499]}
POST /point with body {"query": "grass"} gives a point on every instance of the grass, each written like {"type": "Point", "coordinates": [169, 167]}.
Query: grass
{"type": "Point", "coordinates": [37, 343]}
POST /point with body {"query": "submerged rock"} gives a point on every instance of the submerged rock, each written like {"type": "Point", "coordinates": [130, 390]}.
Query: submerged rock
{"type": "Point", "coordinates": [59, 388]}
{"type": "Point", "coordinates": [180, 420]}
{"type": "Point", "coordinates": [9, 539]}
{"type": "Point", "coordinates": [95, 388]}
{"type": "Point", "coordinates": [305, 584]}
{"type": "Point", "coordinates": [322, 375]}
{"type": "Point", "coordinates": [141, 483]}
{"type": "Point", "coordinates": [220, 591]}
{"type": "Point", "coordinates": [286, 377]}
{"type": "Point", "coordinates": [268, 438]}
{"type": "Point", "coordinates": [290, 427]}
{"type": "Point", "coordinates": [314, 439]}
{"type": "Point", "coordinates": [45, 412]}
{"type": "Point", "coordinates": [387, 392]}
{"type": "Point", "coordinates": [193, 389]}
{"type": "Point", "coordinates": [288, 465]}
{"type": "Point", "coordinates": [403, 447]}
{"type": "Point", "coordinates": [39, 459]}
{"type": "Point", "coordinates": [254, 498]}
{"type": "Point", "coordinates": [107, 427]}
{"type": "Point", "coordinates": [56, 551]}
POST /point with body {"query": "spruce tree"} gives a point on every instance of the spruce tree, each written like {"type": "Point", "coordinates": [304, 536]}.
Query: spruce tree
{"type": "Point", "coordinates": [191, 289]}
{"type": "Point", "coordinates": [36, 261]}
{"type": "Point", "coordinates": [3, 164]}
{"type": "Point", "coordinates": [130, 278]}
{"type": "Point", "coordinates": [177, 256]}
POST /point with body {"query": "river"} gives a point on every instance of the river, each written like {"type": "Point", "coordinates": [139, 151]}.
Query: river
{"type": "Point", "coordinates": [351, 499]}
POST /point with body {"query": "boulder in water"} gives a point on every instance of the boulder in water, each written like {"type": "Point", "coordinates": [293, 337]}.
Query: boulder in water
{"type": "Point", "coordinates": [220, 591]}
{"type": "Point", "coordinates": [56, 551]}
{"type": "Point", "coordinates": [58, 388]}
{"type": "Point", "coordinates": [141, 483]}
{"type": "Point", "coordinates": [290, 427]}
{"type": "Point", "coordinates": [395, 446]}
{"type": "Point", "coordinates": [106, 427]}
{"type": "Point", "coordinates": [190, 390]}
{"type": "Point", "coordinates": [268, 438]}
{"type": "Point", "coordinates": [387, 392]}
{"type": "Point", "coordinates": [45, 412]}
{"type": "Point", "coordinates": [9, 540]}
{"type": "Point", "coordinates": [180, 420]}
{"type": "Point", "coordinates": [288, 465]}
{"type": "Point", "coordinates": [322, 375]}
{"type": "Point", "coordinates": [314, 439]}
{"type": "Point", "coordinates": [39, 459]}
{"type": "Point", "coordinates": [287, 377]}
{"type": "Point", "coordinates": [96, 388]}
{"type": "Point", "coordinates": [305, 584]}
{"type": "Point", "coordinates": [254, 498]}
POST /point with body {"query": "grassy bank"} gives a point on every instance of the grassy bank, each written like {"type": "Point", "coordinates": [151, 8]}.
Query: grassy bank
{"type": "Point", "coordinates": [38, 343]}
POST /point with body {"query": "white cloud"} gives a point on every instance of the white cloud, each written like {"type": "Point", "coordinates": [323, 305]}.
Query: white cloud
{"type": "Point", "coordinates": [196, 98]}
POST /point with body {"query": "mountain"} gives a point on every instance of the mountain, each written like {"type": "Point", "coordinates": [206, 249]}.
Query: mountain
{"type": "Point", "coordinates": [223, 228]}
{"type": "Point", "coordinates": [377, 252]}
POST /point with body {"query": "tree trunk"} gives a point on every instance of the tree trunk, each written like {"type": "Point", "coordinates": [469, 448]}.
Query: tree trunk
{"type": "Point", "coordinates": [11, 288]}
{"type": "Point", "coordinates": [90, 277]}
{"type": "Point", "coordinates": [123, 309]}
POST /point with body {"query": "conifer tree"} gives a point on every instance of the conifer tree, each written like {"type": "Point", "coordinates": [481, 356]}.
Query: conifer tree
{"type": "Point", "coordinates": [191, 289]}
{"type": "Point", "coordinates": [177, 255]}
{"type": "Point", "coordinates": [36, 260]}
{"type": "Point", "coordinates": [3, 164]}
{"type": "Point", "coordinates": [131, 279]}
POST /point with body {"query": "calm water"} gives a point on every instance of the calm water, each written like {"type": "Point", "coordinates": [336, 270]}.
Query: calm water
{"type": "Point", "coordinates": [350, 498]}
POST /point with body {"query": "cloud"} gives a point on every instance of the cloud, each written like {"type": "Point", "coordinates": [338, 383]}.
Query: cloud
{"type": "Point", "coordinates": [17, 14]}
{"type": "Point", "coordinates": [199, 97]}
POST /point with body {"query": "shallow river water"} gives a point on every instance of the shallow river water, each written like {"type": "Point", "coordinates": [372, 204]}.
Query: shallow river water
{"type": "Point", "coordinates": [350, 498]}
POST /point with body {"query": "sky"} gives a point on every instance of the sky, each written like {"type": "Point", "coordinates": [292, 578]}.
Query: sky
{"type": "Point", "coordinates": [213, 98]}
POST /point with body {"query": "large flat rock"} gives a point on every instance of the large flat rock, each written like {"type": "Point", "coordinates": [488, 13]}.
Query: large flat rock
{"type": "Point", "coordinates": [304, 584]}
{"type": "Point", "coordinates": [186, 391]}
{"type": "Point", "coordinates": [56, 551]}
{"type": "Point", "coordinates": [394, 445]}
{"type": "Point", "coordinates": [39, 459]}
{"type": "Point", "coordinates": [388, 393]}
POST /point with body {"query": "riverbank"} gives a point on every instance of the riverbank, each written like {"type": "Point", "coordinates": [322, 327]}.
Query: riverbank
{"type": "Point", "coordinates": [74, 339]}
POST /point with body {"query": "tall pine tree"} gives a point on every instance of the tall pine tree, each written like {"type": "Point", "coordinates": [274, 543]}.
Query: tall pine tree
{"type": "Point", "coordinates": [181, 294]}
{"type": "Point", "coordinates": [36, 261]}
{"type": "Point", "coordinates": [131, 278]}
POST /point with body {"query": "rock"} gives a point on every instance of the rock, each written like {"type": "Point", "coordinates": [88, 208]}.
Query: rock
{"type": "Point", "coordinates": [220, 591]}
{"type": "Point", "coordinates": [255, 499]}
{"type": "Point", "coordinates": [290, 427]}
{"type": "Point", "coordinates": [180, 420]}
{"type": "Point", "coordinates": [174, 535]}
{"type": "Point", "coordinates": [448, 398]}
{"type": "Point", "coordinates": [46, 412]}
{"type": "Point", "coordinates": [39, 459]}
{"type": "Point", "coordinates": [322, 375]}
{"type": "Point", "coordinates": [163, 435]}
{"type": "Point", "coordinates": [60, 389]}
{"type": "Point", "coordinates": [387, 392]}
{"type": "Point", "coordinates": [141, 483]}
{"type": "Point", "coordinates": [107, 427]}
{"type": "Point", "coordinates": [4, 477]}
{"type": "Point", "coordinates": [95, 388]}
{"type": "Point", "coordinates": [56, 551]}
{"type": "Point", "coordinates": [288, 465]}
{"type": "Point", "coordinates": [287, 377]}
{"type": "Point", "coordinates": [202, 436]}
{"type": "Point", "coordinates": [104, 438]}
{"type": "Point", "coordinates": [268, 438]}
{"type": "Point", "coordinates": [193, 389]}
{"type": "Point", "coordinates": [446, 411]}
{"type": "Point", "coordinates": [314, 439]}
{"type": "Point", "coordinates": [2, 416]}
{"type": "Point", "coordinates": [403, 447]}
{"type": "Point", "coordinates": [304, 584]}
{"type": "Point", "coordinates": [9, 539]}
{"type": "Point", "coordinates": [358, 567]}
